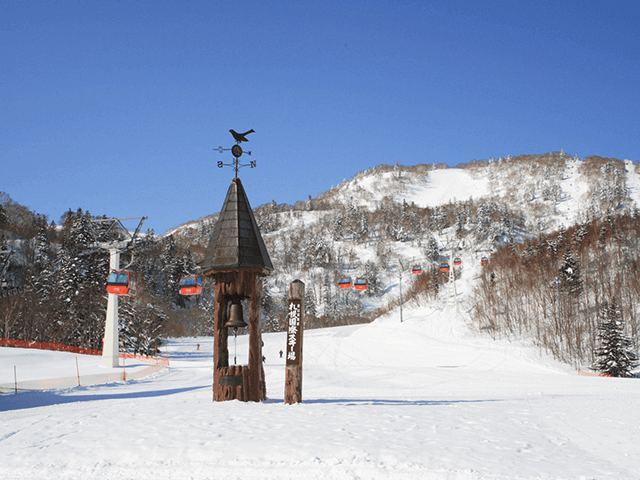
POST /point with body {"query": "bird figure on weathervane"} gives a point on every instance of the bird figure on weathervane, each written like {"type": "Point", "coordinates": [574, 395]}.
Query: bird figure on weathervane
{"type": "Point", "coordinates": [236, 151]}
{"type": "Point", "coordinates": [240, 137]}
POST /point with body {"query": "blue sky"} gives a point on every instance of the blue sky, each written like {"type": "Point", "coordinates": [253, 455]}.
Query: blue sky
{"type": "Point", "coordinates": [119, 107]}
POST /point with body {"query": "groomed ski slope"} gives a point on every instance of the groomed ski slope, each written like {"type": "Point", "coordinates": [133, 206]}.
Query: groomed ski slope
{"type": "Point", "coordinates": [423, 399]}
{"type": "Point", "coordinates": [445, 186]}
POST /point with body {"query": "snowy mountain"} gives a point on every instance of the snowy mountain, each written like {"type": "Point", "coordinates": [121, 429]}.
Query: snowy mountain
{"type": "Point", "coordinates": [386, 219]}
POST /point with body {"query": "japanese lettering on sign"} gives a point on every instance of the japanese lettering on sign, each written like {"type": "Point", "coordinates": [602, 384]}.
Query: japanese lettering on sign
{"type": "Point", "coordinates": [294, 332]}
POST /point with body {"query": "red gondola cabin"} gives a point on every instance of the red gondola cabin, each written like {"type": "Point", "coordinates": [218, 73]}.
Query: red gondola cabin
{"type": "Point", "coordinates": [360, 283]}
{"type": "Point", "coordinates": [191, 285]}
{"type": "Point", "coordinates": [417, 269]}
{"type": "Point", "coordinates": [484, 261]}
{"type": "Point", "coordinates": [345, 282]}
{"type": "Point", "coordinates": [457, 261]}
{"type": "Point", "coordinates": [444, 267]}
{"type": "Point", "coordinates": [122, 283]}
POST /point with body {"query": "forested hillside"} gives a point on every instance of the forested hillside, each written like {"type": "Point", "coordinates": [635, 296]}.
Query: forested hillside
{"type": "Point", "coordinates": [60, 274]}
{"type": "Point", "coordinates": [542, 220]}
{"type": "Point", "coordinates": [557, 288]}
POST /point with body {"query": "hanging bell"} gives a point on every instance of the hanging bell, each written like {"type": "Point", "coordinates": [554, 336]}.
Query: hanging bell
{"type": "Point", "coordinates": [236, 319]}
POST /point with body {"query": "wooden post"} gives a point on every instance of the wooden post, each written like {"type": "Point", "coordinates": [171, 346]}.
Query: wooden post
{"type": "Point", "coordinates": [295, 327]}
{"type": "Point", "coordinates": [256, 388]}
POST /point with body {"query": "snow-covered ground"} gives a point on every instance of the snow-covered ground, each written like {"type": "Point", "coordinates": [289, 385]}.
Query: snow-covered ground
{"type": "Point", "coordinates": [37, 369]}
{"type": "Point", "coordinates": [444, 186]}
{"type": "Point", "coordinates": [574, 190]}
{"type": "Point", "coordinates": [633, 184]}
{"type": "Point", "coordinates": [425, 398]}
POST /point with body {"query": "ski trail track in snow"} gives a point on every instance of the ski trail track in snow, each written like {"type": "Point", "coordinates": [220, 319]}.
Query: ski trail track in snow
{"type": "Point", "coordinates": [572, 192]}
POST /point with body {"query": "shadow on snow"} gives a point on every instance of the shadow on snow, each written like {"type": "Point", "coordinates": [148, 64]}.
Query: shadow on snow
{"type": "Point", "coordinates": [351, 402]}
{"type": "Point", "coordinates": [57, 397]}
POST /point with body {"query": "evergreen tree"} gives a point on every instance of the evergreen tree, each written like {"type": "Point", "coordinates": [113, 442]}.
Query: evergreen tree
{"type": "Point", "coordinates": [364, 224]}
{"type": "Point", "coordinates": [80, 273]}
{"type": "Point", "coordinates": [461, 220]}
{"type": "Point", "coordinates": [529, 252]}
{"type": "Point", "coordinates": [434, 280]}
{"type": "Point", "coordinates": [271, 313]}
{"type": "Point", "coordinates": [140, 324]}
{"type": "Point", "coordinates": [570, 274]}
{"type": "Point", "coordinates": [4, 218]}
{"type": "Point", "coordinates": [579, 235]}
{"type": "Point", "coordinates": [207, 307]}
{"type": "Point", "coordinates": [309, 302]}
{"type": "Point", "coordinates": [43, 271]}
{"type": "Point", "coordinates": [172, 271]}
{"type": "Point", "coordinates": [338, 228]}
{"type": "Point", "coordinates": [316, 252]}
{"type": "Point", "coordinates": [415, 225]}
{"type": "Point", "coordinates": [327, 297]}
{"type": "Point", "coordinates": [431, 250]}
{"type": "Point", "coordinates": [616, 355]}
{"type": "Point", "coordinates": [396, 231]}
{"type": "Point", "coordinates": [308, 204]}
{"type": "Point", "coordinates": [373, 281]}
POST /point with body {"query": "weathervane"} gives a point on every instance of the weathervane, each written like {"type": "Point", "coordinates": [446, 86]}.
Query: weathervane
{"type": "Point", "coordinates": [237, 152]}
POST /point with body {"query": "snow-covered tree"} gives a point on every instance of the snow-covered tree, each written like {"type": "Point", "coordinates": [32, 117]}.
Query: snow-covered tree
{"type": "Point", "coordinates": [338, 228]}
{"type": "Point", "coordinates": [80, 274]}
{"type": "Point", "coordinates": [140, 324]}
{"type": "Point", "coordinates": [372, 275]}
{"type": "Point", "coordinates": [431, 250]}
{"type": "Point", "coordinates": [43, 277]}
{"type": "Point", "coordinates": [309, 302]}
{"type": "Point", "coordinates": [616, 354]}
{"type": "Point", "coordinates": [570, 274]}
{"type": "Point", "coordinates": [272, 311]}
{"type": "Point", "coordinates": [207, 307]}
{"type": "Point", "coordinates": [364, 225]}
{"type": "Point", "coordinates": [172, 271]}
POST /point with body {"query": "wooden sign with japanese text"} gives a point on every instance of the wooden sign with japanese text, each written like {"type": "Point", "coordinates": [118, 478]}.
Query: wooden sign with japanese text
{"type": "Point", "coordinates": [294, 332]}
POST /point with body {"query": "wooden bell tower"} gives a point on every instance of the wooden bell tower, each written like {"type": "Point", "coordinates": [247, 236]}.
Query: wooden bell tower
{"type": "Point", "coordinates": [237, 259]}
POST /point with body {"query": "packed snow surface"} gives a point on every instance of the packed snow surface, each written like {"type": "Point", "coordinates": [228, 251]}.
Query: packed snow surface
{"type": "Point", "coordinates": [34, 369]}
{"type": "Point", "coordinates": [425, 398]}
{"type": "Point", "coordinates": [445, 186]}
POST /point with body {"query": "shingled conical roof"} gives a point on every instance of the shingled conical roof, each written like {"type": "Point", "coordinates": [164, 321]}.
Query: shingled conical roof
{"type": "Point", "coordinates": [236, 241]}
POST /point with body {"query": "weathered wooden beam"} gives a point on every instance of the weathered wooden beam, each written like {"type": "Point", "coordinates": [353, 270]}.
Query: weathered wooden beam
{"type": "Point", "coordinates": [256, 369]}
{"type": "Point", "coordinates": [250, 382]}
{"type": "Point", "coordinates": [295, 322]}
